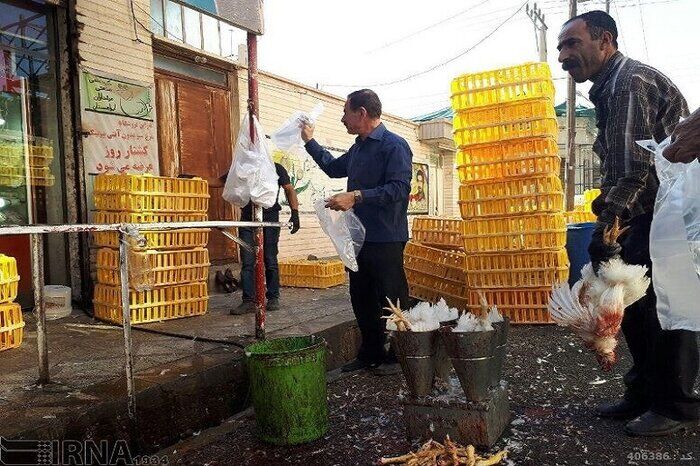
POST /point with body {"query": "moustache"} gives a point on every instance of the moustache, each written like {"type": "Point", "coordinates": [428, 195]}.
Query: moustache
{"type": "Point", "coordinates": [569, 64]}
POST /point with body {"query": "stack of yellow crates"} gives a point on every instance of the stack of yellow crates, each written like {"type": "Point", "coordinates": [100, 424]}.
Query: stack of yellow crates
{"type": "Point", "coordinates": [305, 273]}
{"type": "Point", "coordinates": [168, 275]}
{"type": "Point", "coordinates": [11, 321]}
{"type": "Point", "coordinates": [435, 262]}
{"type": "Point", "coordinates": [583, 212]}
{"type": "Point", "coordinates": [14, 163]}
{"type": "Point", "coordinates": [511, 196]}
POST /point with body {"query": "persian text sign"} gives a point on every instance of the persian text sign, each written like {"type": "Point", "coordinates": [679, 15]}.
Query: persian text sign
{"type": "Point", "coordinates": [119, 131]}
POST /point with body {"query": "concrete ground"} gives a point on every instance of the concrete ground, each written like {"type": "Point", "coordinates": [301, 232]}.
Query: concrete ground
{"type": "Point", "coordinates": [199, 355]}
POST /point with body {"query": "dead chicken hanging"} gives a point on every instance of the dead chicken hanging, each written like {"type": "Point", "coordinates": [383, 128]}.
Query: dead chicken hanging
{"type": "Point", "coordinates": [595, 305]}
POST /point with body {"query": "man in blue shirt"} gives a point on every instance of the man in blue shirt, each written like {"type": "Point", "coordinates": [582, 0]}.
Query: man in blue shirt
{"type": "Point", "coordinates": [378, 169]}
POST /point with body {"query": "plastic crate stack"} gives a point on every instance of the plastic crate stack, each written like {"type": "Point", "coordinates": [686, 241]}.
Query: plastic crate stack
{"type": "Point", "coordinates": [168, 276]}
{"type": "Point", "coordinates": [13, 163]}
{"type": "Point", "coordinates": [511, 197]}
{"type": "Point", "coordinates": [305, 273]}
{"type": "Point", "coordinates": [435, 262]}
{"type": "Point", "coordinates": [583, 212]}
{"type": "Point", "coordinates": [11, 321]}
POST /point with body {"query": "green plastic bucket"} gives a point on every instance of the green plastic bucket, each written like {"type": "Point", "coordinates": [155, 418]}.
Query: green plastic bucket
{"type": "Point", "coordinates": [288, 387]}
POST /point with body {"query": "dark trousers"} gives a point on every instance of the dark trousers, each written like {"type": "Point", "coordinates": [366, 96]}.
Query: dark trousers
{"type": "Point", "coordinates": [380, 276]}
{"type": "Point", "coordinates": [665, 362]}
{"type": "Point", "coordinates": [272, 273]}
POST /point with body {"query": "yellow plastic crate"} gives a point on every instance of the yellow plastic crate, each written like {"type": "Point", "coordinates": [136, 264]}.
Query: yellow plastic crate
{"type": "Point", "coordinates": [9, 280]}
{"type": "Point", "coordinates": [591, 195]}
{"type": "Point", "coordinates": [522, 306]}
{"type": "Point", "coordinates": [529, 167]}
{"type": "Point", "coordinates": [303, 273]}
{"type": "Point", "coordinates": [532, 128]}
{"type": "Point", "coordinates": [170, 302]}
{"type": "Point", "coordinates": [431, 295]}
{"type": "Point", "coordinates": [438, 232]}
{"type": "Point", "coordinates": [176, 239]}
{"type": "Point", "coordinates": [155, 268]}
{"type": "Point", "coordinates": [11, 326]}
{"type": "Point", "coordinates": [16, 176]}
{"type": "Point", "coordinates": [517, 149]}
{"type": "Point", "coordinates": [438, 263]}
{"type": "Point", "coordinates": [534, 269]}
{"type": "Point", "coordinates": [494, 115]}
{"type": "Point", "coordinates": [16, 159]}
{"type": "Point", "coordinates": [576, 216]}
{"type": "Point", "coordinates": [145, 193]}
{"type": "Point", "coordinates": [439, 286]}
{"type": "Point", "coordinates": [525, 72]}
{"type": "Point", "coordinates": [521, 233]}
{"type": "Point", "coordinates": [511, 197]}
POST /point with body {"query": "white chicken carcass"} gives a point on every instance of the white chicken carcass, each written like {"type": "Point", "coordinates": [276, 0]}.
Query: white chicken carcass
{"type": "Point", "coordinates": [595, 305]}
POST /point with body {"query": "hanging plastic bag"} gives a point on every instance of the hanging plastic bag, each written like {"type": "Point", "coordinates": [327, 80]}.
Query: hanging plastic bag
{"type": "Point", "coordinates": [675, 241]}
{"type": "Point", "coordinates": [288, 137]}
{"type": "Point", "coordinates": [252, 176]}
{"type": "Point", "coordinates": [345, 231]}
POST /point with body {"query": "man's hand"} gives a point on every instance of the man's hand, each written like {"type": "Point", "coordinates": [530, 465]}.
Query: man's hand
{"type": "Point", "coordinates": [307, 132]}
{"type": "Point", "coordinates": [598, 250]}
{"type": "Point", "coordinates": [294, 220]}
{"type": "Point", "coordinates": [685, 141]}
{"type": "Point", "coordinates": [342, 202]}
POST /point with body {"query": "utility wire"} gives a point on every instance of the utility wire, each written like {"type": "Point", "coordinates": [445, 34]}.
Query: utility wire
{"type": "Point", "coordinates": [644, 33]}
{"type": "Point", "coordinates": [439, 65]}
{"type": "Point", "coordinates": [427, 28]}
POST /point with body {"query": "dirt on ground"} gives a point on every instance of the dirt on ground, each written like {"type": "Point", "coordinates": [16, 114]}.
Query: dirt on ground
{"type": "Point", "coordinates": [554, 388]}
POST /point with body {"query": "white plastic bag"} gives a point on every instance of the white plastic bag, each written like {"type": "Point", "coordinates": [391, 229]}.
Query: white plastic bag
{"type": "Point", "coordinates": [252, 176]}
{"type": "Point", "coordinates": [345, 231]}
{"type": "Point", "coordinates": [675, 242]}
{"type": "Point", "coordinates": [288, 137]}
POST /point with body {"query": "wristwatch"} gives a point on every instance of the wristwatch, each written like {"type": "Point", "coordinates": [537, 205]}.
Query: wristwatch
{"type": "Point", "coordinates": [358, 196]}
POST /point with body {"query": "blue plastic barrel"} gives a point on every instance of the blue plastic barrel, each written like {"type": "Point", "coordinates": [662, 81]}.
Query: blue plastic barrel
{"type": "Point", "coordinates": [578, 237]}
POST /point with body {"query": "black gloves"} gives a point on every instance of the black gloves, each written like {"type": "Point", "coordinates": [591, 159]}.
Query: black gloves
{"type": "Point", "coordinates": [598, 250]}
{"type": "Point", "coordinates": [294, 220]}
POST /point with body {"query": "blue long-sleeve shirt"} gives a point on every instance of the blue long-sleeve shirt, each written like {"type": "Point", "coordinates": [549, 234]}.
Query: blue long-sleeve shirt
{"type": "Point", "coordinates": [379, 167]}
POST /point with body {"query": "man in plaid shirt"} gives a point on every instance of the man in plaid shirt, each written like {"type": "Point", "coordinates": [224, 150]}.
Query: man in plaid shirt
{"type": "Point", "coordinates": [634, 101]}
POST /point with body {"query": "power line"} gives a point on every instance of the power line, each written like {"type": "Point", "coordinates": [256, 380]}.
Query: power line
{"type": "Point", "coordinates": [427, 28]}
{"type": "Point", "coordinates": [644, 33]}
{"type": "Point", "coordinates": [439, 65]}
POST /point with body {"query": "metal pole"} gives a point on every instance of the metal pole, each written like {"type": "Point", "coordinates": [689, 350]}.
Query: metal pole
{"type": "Point", "coordinates": [37, 251]}
{"type": "Point", "coordinates": [607, 6]}
{"type": "Point", "coordinates": [252, 41]}
{"type": "Point", "coordinates": [571, 132]}
{"type": "Point", "coordinates": [126, 317]}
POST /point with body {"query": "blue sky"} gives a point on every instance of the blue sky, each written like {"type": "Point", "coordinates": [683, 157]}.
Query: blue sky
{"type": "Point", "coordinates": [358, 43]}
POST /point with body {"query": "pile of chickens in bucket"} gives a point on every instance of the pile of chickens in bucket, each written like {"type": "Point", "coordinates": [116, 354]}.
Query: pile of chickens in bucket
{"type": "Point", "coordinates": [453, 365]}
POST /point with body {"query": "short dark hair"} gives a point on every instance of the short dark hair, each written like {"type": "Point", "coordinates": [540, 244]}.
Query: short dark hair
{"type": "Point", "coordinates": [368, 99]}
{"type": "Point", "coordinates": [598, 22]}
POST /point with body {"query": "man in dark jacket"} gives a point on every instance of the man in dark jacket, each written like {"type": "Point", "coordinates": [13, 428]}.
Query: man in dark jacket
{"type": "Point", "coordinates": [634, 101]}
{"type": "Point", "coordinates": [378, 169]}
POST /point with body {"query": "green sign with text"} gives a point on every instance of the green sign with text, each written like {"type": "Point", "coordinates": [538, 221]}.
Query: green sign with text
{"type": "Point", "coordinates": [114, 97]}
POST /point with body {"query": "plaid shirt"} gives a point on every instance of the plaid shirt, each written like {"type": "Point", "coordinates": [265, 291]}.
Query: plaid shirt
{"type": "Point", "coordinates": [633, 101]}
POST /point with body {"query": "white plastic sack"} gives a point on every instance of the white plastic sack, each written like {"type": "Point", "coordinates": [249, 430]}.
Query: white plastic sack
{"type": "Point", "coordinates": [252, 176]}
{"type": "Point", "coordinates": [288, 137]}
{"type": "Point", "coordinates": [675, 242]}
{"type": "Point", "coordinates": [345, 231]}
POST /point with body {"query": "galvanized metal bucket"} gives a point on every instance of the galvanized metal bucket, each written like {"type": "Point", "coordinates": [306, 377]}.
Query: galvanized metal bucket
{"type": "Point", "coordinates": [471, 354]}
{"type": "Point", "coordinates": [416, 353]}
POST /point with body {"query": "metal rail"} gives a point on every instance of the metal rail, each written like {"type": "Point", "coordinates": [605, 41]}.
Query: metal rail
{"type": "Point", "coordinates": [125, 230]}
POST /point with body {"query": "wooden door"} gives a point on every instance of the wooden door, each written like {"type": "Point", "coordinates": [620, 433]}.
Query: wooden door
{"type": "Point", "coordinates": [194, 136]}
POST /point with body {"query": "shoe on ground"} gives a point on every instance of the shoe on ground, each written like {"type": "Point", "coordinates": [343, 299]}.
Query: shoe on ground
{"type": "Point", "coordinates": [386, 368]}
{"type": "Point", "coordinates": [623, 409]}
{"type": "Point", "coordinates": [651, 424]}
{"type": "Point", "coordinates": [273, 304]}
{"type": "Point", "coordinates": [354, 366]}
{"type": "Point", "coordinates": [246, 307]}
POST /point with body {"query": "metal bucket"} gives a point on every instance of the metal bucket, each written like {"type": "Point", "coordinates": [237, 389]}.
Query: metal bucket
{"type": "Point", "coordinates": [499, 353]}
{"type": "Point", "coordinates": [471, 354]}
{"type": "Point", "coordinates": [416, 353]}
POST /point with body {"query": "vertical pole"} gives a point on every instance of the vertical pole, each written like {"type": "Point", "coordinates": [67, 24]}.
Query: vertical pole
{"type": "Point", "coordinates": [126, 318]}
{"type": "Point", "coordinates": [543, 39]}
{"type": "Point", "coordinates": [607, 6]}
{"type": "Point", "coordinates": [37, 251]}
{"type": "Point", "coordinates": [252, 41]}
{"type": "Point", "coordinates": [571, 132]}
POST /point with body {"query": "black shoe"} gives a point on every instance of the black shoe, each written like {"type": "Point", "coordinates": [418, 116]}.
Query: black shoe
{"type": "Point", "coordinates": [385, 368]}
{"type": "Point", "coordinates": [651, 424]}
{"type": "Point", "coordinates": [246, 307]}
{"type": "Point", "coordinates": [273, 304]}
{"type": "Point", "coordinates": [354, 366]}
{"type": "Point", "coordinates": [624, 409]}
